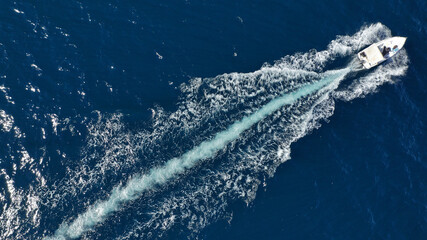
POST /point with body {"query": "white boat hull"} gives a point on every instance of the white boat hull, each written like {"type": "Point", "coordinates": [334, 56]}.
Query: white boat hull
{"type": "Point", "coordinates": [380, 51]}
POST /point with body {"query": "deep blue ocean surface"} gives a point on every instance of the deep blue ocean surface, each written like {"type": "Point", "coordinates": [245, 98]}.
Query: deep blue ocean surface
{"type": "Point", "coordinates": [211, 120]}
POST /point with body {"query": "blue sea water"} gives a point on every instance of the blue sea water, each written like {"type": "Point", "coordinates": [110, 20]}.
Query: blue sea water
{"type": "Point", "coordinates": [211, 120]}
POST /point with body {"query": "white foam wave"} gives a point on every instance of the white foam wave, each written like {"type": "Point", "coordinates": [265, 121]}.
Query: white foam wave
{"type": "Point", "coordinates": [135, 186]}
{"type": "Point", "coordinates": [6, 121]}
{"type": "Point", "coordinates": [207, 107]}
{"type": "Point", "coordinates": [200, 202]}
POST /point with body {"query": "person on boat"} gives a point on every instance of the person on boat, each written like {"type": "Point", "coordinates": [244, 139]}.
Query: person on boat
{"type": "Point", "coordinates": [395, 48]}
{"type": "Point", "coordinates": [386, 50]}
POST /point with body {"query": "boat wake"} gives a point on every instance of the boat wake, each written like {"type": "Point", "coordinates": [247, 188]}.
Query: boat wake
{"type": "Point", "coordinates": [228, 135]}
{"type": "Point", "coordinates": [207, 149]}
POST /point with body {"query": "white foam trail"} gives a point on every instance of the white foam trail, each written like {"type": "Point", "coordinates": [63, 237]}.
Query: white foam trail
{"type": "Point", "coordinates": [157, 176]}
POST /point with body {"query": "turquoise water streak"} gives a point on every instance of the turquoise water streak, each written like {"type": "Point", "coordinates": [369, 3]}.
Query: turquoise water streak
{"type": "Point", "coordinates": [207, 149]}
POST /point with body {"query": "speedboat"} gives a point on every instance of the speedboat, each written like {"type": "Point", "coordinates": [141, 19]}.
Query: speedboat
{"type": "Point", "coordinates": [380, 51]}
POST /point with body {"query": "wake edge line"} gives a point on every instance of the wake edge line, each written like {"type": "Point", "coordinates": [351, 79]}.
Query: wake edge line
{"type": "Point", "coordinates": [157, 176]}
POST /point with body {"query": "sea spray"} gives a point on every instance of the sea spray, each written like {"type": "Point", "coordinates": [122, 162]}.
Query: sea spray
{"type": "Point", "coordinates": [207, 149]}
